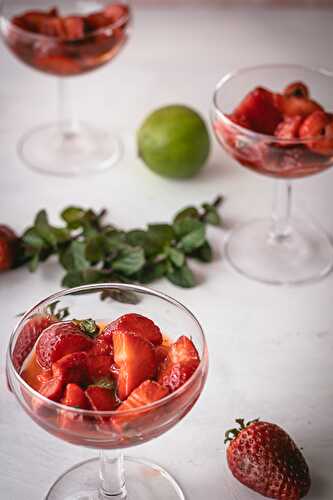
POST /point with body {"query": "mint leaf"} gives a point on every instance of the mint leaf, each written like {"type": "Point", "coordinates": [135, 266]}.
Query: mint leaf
{"type": "Point", "coordinates": [204, 253]}
{"type": "Point", "coordinates": [74, 257]}
{"type": "Point", "coordinates": [188, 212]}
{"type": "Point", "coordinates": [129, 261]}
{"type": "Point", "coordinates": [193, 240]}
{"type": "Point", "coordinates": [176, 256]}
{"type": "Point", "coordinates": [73, 216]}
{"type": "Point", "coordinates": [181, 276]}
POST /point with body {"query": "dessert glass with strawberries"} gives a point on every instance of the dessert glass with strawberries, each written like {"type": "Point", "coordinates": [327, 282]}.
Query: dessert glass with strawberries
{"type": "Point", "coordinates": [108, 375]}
{"type": "Point", "coordinates": [277, 120]}
{"type": "Point", "coordinates": [68, 39]}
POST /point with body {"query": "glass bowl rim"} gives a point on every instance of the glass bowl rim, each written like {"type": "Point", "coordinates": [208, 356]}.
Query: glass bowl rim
{"type": "Point", "coordinates": [39, 36]}
{"type": "Point", "coordinates": [97, 286]}
{"type": "Point", "coordinates": [250, 133]}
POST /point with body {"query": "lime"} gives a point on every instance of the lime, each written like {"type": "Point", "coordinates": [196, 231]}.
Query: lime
{"type": "Point", "coordinates": [173, 141]}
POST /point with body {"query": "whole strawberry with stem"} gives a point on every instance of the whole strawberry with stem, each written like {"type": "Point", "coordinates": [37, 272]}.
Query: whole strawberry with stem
{"type": "Point", "coordinates": [263, 457]}
{"type": "Point", "coordinates": [8, 247]}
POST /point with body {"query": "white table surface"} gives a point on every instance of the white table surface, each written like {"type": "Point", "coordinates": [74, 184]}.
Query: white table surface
{"type": "Point", "coordinates": [271, 349]}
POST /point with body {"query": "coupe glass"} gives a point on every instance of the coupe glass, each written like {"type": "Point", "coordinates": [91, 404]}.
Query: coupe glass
{"type": "Point", "coordinates": [283, 249]}
{"type": "Point", "coordinates": [67, 147]}
{"type": "Point", "coordinates": [114, 475]}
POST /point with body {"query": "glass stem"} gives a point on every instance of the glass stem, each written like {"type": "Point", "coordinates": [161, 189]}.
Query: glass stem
{"type": "Point", "coordinates": [68, 122]}
{"type": "Point", "coordinates": [112, 476]}
{"type": "Point", "coordinates": [281, 213]}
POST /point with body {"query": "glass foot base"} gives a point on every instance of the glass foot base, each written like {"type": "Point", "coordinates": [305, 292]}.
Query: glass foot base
{"type": "Point", "coordinates": [305, 255]}
{"type": "Point", "coordinates": [88, 151]}
{"type": "Point", "coordinates": [144, 481]}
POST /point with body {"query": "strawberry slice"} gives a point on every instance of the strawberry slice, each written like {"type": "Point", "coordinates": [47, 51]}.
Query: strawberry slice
{"type": "Point", "coordinates": [99, 367]}
{"type": "Point", "coordinates": [53, 388]}
{"type": "Point", "coordinates": [64, 338]}
{"type": "Point", "coordinates": [181, 362]}
{"type": "Point", "coordinates": [258, 111]}
{"type": "Point", "coordinates": [319, 127]}
{"type": "Point", "coordinates": [101, 398]}
{"type": "Point", "coordinates": [73, 27]}
{"type": "Point", "coordinates": [103, 345]}
{"type": "Point", "coordinates": [74, 396]}
{"type": "Point", "coordinates": [136, 360]}
{"type": "Point", "coordinates": [293, 106]}
{"type": "Point", "coordinates": [148, 392]}
{"type": "Point", "coordinates": [28, 336]}
{"type": "Point", "coordinates": [72, 368]}
{"type": "Point", "coordinates": [138, 324]}
{"type": "Point", "coordinates": [289, 128]}
{"type": "Point", "coordinates": [161, 353]}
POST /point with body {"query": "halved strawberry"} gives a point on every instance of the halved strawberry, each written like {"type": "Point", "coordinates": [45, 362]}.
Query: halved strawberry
{"type": "Point", "coordinates": [319, 127]}
{"type": "Point", "coordinates": [72, 368]}
{"type": "Point", "coordinates": [293, 106]}
{"type": "Point", "coordinates": [56, 64]}
{"type": "Point", "coordinates": [289, 128]}
{"type": "Point", "coordinates": [53, 388]}
{"type": "Point", "coordinates": [161, 353]}
{"type": "Point", "coordinates": [136, 360]}
{"type": "Point", "coordinates": [73, 27]}
{"type": "Point", "coordinates": [75, 396]}
{"type": "Point", "coordinates": [8, 247]}
{"type": "Point", "coordinates": [101, 399]}
{"type": "Point", "coordinates": [259, 111]}
{"type": "Point", "coordinates": [181, 362]}
{"type": "Point", "coordinates": [297, 89]}
{"type": "Point", "coordinates": [64, 338]}
{"type": "Point", "coordinates": [148, 392]}
{"type": "Point", "coordinates": [99, 367]}
{"type": "Point", "coordinates": [138, 324]}
{"type": "Point", "coordinates": [103, 345]}
{"type": "Point", "coordinates": [28, 336]}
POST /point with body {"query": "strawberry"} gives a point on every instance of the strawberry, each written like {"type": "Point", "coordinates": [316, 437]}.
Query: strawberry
{"type": "Point", "coordinates": [293, 106]}
{"type": "Point", "coordinates": [73, 27]}
{"type": "Point", "coordinates": [63, 338]}
{"type": "Point", "coordinates": [28, 336]}
{"type": "Point", "coordinates": [263, 457]}
{"type": "Point", "coordinates": [148, 392]}
{"type": "Point", "coordinates": [259, 111]}
{"type": "Point", "coordinates": [52, 26]}
{"type": "Point", "coordinates": [99, 367]}
{"type": "Point", "coordinates": [74, 396]}
{"type": "Point", "coordinates": [181, 362]}
{"type": "Point", "coordinates": [72, 368]}
{"type": "Point", "coordinates": [297, 89]}
{"type": "Point", "coordinates": [56, 64]}
{"type": "Point", "coordinates": [319, 126]}
{"type": "Point", "coordinates": [103, 345]}
{"type": "Point", "coordinates": [289, 127]}
{"type": "Point", "coordinates": [52, 388]}
{"type": "Point", "coordinates": [136, 360]}
{"type": "Point", "coordinates": [116, 11]}
{"type": "Point", "coordinates": [8, 247]}
{"type": "Point", "coordinates": [109, 16]}
{"type": "Point", "coordinates": [161, 353]}
{"type": "Point", "coordinates": [138, 324]}
{"type": "Point", "coordinates": [101, 398]}
{"type": "Point", "coordinates": [33, 20]}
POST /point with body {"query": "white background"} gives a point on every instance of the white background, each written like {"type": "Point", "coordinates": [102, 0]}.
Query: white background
{"type": "Point", "coordinates": [271, 349]}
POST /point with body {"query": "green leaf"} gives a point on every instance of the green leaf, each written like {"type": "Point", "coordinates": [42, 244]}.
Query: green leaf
{"type": "Point", "coordinates": [211, 215]}
{"type": "Point", "coordinates": [186, 226]}
{"type": "Point", "coordinates": [86, 277]}
{"type": "Point", "coordinates": [181, 276]}
{"type": "Point", "coordinates": [88, 326]}
{"type": "Point", "coordinates": [125, 297]}
{"type": "Point", "coordinates": [32, 239]}
{"type": "Point", "coordinates": [96, 248]}
{"type": "Point", "coordinates": [151, 272]}
{"type": "Point", "coordinates": [137, 237]}
{"type": "Point", "coordinates": [105, 383]}
{"type": "Point", "coordinates": [73, 216]}
{"type": "Point", "coordinates": [204, 253]}
{"type": "Point", "coordinates": [176, 256]}
{"type": "Point", "coordinates": [193, 240]}
{"type": "Point", "coordinates": [188, 212]}
{"type": "Point", "coordinates": [44, 229]}
{"type": "Point", "coordinates": [129, 261]}
{"type": "Point", "coordinates": [74, 257]}
{"type": "Point", "coordinates": [160, 235]}
{"type": "Point", "coordinates": [33, 263]}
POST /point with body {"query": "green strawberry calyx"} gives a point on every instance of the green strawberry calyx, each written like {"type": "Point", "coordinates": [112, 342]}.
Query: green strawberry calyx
{"type": "Point", "coordinates": [231, 434]}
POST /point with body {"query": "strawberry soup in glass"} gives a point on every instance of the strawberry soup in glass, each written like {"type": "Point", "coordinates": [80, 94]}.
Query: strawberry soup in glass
{"type": "Point", "coordinates": [66, 39]}
{"type": "Point", "coordinates": [277, 121]}
{"type": "Point", "coordinates": [109, 384]}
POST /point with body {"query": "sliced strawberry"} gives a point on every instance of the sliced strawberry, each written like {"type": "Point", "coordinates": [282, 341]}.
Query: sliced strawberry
{"type": "Point", "coordinates": [52, 26]}
{"type": "Point", "coordinates": [103, 345]}
{"type": "Point", "coordinates": [148, 392]}
{"type": "Point", "coordinates": [258, 110]}
{"type": "Point", "coordinates": [136, 360]}
{"type": "Point", "coordinates": [289, 128]}
{"type": "Point", "coordinates": [28, 337]}
{"type": "Point", "coordinates": [297, 89]}
{"type": "Point", "coordinates": [75, 396]}
{"type": "Point", "coordinates": [59, 339]}
{"type": "Point", "coordinates": [73, 27]}
{"type": "Point", "coordinates": [181, 362]}
{"type": "Point", "coordinates": [53, 388]}
{"type": "Point", "coordinates": [116, 11]}
{"type": "Point", "coordinates": [161, 353]}
{"type": "Point", "coordinates": [101, 399]}
{"type": "Point", "coordinates": [99, 367]}
{"type": "Point", "coordinates": [293, 106]}
{"type": "Point", "coordinates": [33, 20]}
{"type": "Point", "coordinates": [319, 126]}
{"type": "Point", "coordinates": [138, 324]}
{"type": "Point", "coordinates": [72, 368]}
{"type": "Point", "coordinates": [97, 20]}
{"type": "Point", "coordinates": [56, 64]}
{"type": "Point", "coordinates": [8, 247]}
